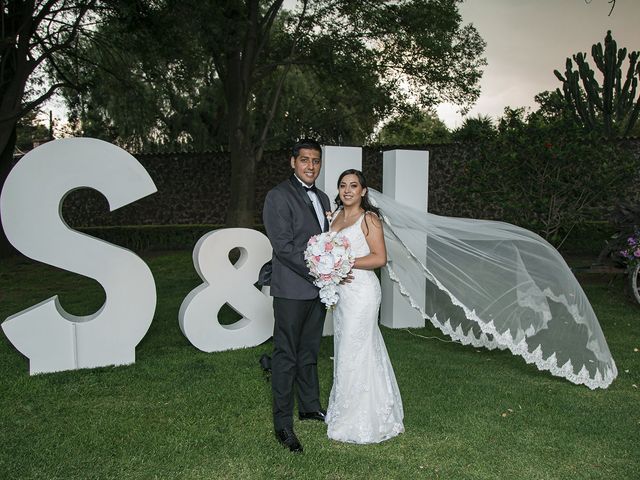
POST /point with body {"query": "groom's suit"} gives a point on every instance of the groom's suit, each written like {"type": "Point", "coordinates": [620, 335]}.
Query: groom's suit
{"type": "Point", "coordinates": [290, 220]}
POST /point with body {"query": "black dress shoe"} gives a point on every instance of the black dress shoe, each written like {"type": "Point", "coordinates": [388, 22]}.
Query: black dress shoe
{"type": "Point", "coordinates": [319, 415]}
{"type": "Point", "coordinates": [288, 438]}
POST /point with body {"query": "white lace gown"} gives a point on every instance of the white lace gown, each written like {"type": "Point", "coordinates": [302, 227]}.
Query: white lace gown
{"type": "Point", "coordinates": [364, 404]}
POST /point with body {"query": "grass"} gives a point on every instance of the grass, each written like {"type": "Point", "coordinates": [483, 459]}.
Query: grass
{"type": "Point", "coordinates": [181, 413]}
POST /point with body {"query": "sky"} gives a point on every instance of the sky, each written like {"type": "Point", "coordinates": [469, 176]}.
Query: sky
{"type": "Point", "coordinates": [528, 39]}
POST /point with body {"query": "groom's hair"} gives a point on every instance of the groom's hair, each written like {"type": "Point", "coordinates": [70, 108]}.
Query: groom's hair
{"type": "Point", "coordinates": [305, 143]}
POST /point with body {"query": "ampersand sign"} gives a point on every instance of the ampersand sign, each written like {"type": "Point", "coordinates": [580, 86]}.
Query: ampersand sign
{"type": "Point", "coordinates": [228, 283]}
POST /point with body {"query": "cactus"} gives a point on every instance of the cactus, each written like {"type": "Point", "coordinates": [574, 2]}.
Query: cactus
{"type": "Point", "coordinates": [613, 107]}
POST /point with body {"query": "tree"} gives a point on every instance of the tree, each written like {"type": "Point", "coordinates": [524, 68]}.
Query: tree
{"type": "Point", "coordinates": [140, 90]}
{"type": "Point", "coordinates": [131, 100]}
{"type": "Point", "coordinates": [612, 108]}
{"type": "Point", "coordinates": [36, 34]}
{"type": "Point", "coordinates": [417, 127]}
{"type": "Point", "coordinates": [366, 58]}
{"type": "Point", "coordinates": [30, 130]}
{"type": "Point", "coordinates": [610, 2]}
{"type": "Point", "coordinates": [475, 129]}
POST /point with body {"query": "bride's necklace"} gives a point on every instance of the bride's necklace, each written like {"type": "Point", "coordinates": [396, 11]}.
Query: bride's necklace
{"type": "Point", "coordinates": [349, 220]}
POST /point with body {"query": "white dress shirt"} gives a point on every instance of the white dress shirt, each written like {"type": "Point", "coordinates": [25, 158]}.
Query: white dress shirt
{"type": "Point", "coordinates": [317, 206]}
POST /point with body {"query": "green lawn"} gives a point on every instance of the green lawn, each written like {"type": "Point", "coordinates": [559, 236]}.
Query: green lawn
{"type": "Point", "coordinates": [181, 413]}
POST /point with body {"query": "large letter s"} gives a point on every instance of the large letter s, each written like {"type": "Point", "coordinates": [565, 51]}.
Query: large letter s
{"type": "Point", "coordinates": [30, 204]}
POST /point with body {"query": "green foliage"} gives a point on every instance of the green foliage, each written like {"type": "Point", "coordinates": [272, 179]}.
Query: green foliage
{"type": "Point", "coordinates": [34, 37]}
{"type": "Point", "coordinates": [551, 106]}
{"type": "Point", "coordinates": [588, 237]}
{"type": "Point", "coordinates": [148, 95]}
{"type": "Point", "coordinates": [416, 127]}
{"type": "Point", "coordinates": [475, 129]}
{"type": "Point", "coordinates": [30, 130]}
{"type": "Point", "coordinates": [346, 64]}
{"type": "Point", "coordinates": [625, 219]}
{"type": "Point", "coordinates": [611, 108]}
{"type": "Point", "coordinates": [151, 237]}
{"type": "Point", "coordinates": [549, 176]}
{"type": "Point", "coordinates": [142, 93]}
{"type": "Point", "coordinates": [322, 107]}
{"type": "Point", "coordinates": [161, 81]}
{"type": "Point", "coordinates": [182, 413]}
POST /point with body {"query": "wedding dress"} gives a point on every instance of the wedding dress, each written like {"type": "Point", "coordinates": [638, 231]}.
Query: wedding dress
{"type": "Point", "coordinates": [364, 404]}
{"type": "Point", "coordinates": [495, 285]}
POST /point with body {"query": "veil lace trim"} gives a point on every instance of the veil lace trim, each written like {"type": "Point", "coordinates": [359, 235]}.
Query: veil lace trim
{"type": "Point", "coordinates": [489, 336]}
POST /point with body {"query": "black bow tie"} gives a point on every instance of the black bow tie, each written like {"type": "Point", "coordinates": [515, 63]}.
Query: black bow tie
{"type": "Point", "coordinates": [312, 188]}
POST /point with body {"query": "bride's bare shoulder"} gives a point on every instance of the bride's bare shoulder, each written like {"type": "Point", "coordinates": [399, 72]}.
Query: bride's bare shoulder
{"type": "Point", "coordinates": [373, 219]}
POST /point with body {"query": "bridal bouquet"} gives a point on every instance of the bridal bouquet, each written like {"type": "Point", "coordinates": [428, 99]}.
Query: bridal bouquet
{"type": "Point", "coordinates": [329, 258]}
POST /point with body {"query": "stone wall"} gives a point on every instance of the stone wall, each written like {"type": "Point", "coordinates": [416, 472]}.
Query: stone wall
{"type": "Point", "coordinates": [194, 188]}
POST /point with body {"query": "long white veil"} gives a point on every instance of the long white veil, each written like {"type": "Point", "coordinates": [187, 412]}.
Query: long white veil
{"type": "Point", "coordinates": [495, 285]}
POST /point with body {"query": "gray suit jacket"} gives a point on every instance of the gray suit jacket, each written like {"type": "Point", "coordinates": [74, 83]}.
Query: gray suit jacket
{"type": "Point", "coordinates": [290, 220]}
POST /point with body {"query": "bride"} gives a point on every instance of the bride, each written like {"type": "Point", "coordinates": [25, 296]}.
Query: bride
{"type": "Point", "coordinates": [488, 284]}
{"type": "Point", "coordinates": [364, 404]}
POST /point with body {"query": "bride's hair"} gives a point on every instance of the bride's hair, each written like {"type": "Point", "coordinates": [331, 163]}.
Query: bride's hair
{"type": "Point", "coordinates": [365, 202]}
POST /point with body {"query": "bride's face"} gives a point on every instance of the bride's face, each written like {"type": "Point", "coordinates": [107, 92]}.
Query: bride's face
{"type": "Point", "coordinates": [350, 190]}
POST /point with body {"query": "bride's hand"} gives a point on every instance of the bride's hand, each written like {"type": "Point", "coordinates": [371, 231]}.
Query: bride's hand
{"type": "Point", "coordinates": [347, 279]}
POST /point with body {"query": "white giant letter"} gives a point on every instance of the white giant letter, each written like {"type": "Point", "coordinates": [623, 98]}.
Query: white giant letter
{"type": "Point", "coordinates": [225, 282]}
{"type": "Point", "coordinates": [405, 178]}
{"type": "Point", "coordinates": [30, 204]}
{"type": "Point", "coordinates": [335, 160]}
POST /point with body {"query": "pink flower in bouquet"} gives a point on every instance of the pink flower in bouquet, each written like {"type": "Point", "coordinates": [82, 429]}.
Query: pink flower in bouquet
{"type": "Point", "coordinates": [329, 258]}
{"type": "Point", "coordinates": [637, 253]}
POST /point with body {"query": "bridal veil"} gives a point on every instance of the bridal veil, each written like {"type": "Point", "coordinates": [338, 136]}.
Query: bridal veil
{"type": "Point", "coordinates": [495, 285]}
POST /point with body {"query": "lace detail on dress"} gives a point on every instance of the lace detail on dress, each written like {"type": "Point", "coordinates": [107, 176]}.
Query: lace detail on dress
{"type": "Point", "coordinates": [364, 404]}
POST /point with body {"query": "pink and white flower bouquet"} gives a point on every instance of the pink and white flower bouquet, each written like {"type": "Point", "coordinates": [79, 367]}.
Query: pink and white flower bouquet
{"type": "Point", "coordinates": [329, 258]}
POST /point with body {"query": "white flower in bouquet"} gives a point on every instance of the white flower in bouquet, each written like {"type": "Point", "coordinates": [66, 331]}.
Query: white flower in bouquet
{"type": "Point", "coordinates": [329, 294]}
{"type": "Point", "coordinates": [326, 264]}
{"type": "Point", "coordinates": [317, 249]}
{"type": "Point", "coordinates": [329, 258]}
{"type": "Point", "coordinates": [339, 251]}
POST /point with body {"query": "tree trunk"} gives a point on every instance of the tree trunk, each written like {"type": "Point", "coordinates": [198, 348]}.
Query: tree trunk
{"type": "Point", "coordinates": [242, 208]}
{"type": "Point", "coordinates": [244, 145]}
{"type": "Point", "coordinates": [241, 211]}
{"type": "Point", "coordinates": [6, 163]}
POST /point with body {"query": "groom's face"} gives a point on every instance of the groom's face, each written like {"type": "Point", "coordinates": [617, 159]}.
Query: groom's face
{"type": "Point", "coordinates": [307, 165]}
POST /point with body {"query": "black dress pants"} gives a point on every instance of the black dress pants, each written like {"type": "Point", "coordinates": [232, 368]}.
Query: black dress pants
{"type": "Point", "coordinates": [296, 340]}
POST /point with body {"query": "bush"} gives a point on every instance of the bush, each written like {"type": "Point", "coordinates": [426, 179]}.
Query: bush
{"type": "Point", "coordinates": [151, 237]}
{"type": "Point", "coordinates": [549, 175]}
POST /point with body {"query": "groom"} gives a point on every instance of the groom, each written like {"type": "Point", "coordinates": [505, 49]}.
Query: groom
{"type": "Point", "coordinates": [293, 212]}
